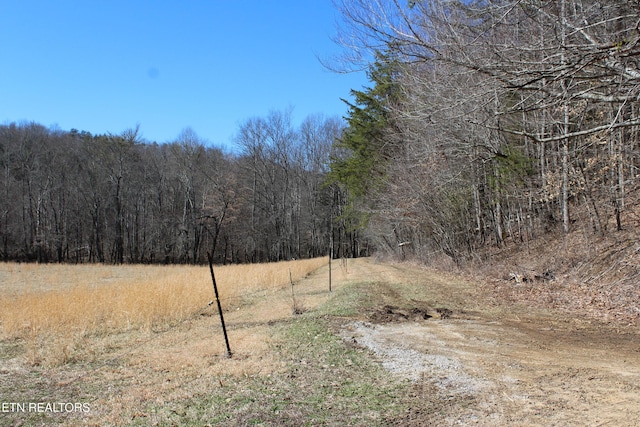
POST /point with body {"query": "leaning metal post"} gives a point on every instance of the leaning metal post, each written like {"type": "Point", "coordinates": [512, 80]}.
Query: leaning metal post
{"type": "Point", "coordinates": [215, 290]}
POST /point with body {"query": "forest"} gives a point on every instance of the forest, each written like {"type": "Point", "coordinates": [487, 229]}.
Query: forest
{"type": "Point", "coordinates": [69, 196]}
{"type": "Point", "coordinates": [485, 121]}
{"type": "Point", "coordinates": [490, 121]}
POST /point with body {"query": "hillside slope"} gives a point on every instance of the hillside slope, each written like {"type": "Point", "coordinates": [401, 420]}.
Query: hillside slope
{"type": "Point", "coordinates": [584, 273]}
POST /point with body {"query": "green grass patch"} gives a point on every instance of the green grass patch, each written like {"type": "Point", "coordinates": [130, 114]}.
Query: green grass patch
{"type": "Point", "coordinates": [351, 300]}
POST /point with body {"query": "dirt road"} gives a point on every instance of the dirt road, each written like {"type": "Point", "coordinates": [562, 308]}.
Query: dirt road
{"type": "Point", "coordinates": [497, 365]}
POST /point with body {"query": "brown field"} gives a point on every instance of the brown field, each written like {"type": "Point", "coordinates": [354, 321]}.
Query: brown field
{"type": "Point", "coordinates": [55, 307]}
{"type": "Point", "coordinates": [392, 345]}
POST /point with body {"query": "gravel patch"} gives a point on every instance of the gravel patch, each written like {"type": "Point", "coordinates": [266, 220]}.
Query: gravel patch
{"type": "Point", "coordinates": [446, 372]}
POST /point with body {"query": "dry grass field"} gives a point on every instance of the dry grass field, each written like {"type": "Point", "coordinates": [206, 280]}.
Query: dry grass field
{"type": "Point", "coordinates": [55, 307]}
{"type": "Point", "coordinates": [391, 345]}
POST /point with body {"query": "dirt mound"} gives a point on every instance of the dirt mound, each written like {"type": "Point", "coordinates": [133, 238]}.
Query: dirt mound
{"type": "Point", "coordinates": [389, 313]}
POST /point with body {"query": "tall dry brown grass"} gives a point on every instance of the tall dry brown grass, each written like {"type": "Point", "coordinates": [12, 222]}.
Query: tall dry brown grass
{"type": "Point", "coordinates": [65, 304]}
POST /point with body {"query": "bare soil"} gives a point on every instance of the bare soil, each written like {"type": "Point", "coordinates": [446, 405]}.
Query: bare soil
{"type": "Point", "coordinates": [412, 346]}
{"type": "Point", "coordinates": [499, 364]}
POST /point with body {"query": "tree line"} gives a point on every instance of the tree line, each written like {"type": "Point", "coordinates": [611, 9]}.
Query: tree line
{"type": "Point", "coordinates": [490, 120]}
{"type": "Point", "coordinates": [486, 121]}
{"type": "Point", "coordinates": [70, 196]}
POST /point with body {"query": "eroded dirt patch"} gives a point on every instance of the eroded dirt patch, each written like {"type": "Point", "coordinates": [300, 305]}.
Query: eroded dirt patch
{"type": "Point", "coordinates": [389, 313]}
{"type": "Point", "coordinates": [501, 373]}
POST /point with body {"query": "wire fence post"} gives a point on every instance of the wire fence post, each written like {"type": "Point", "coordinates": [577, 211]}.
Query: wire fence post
{"type": "Point", "coordinates": [296, 307]}
{"type": "Point", "coordinates": [291, 281]}
{"type": "Point", "coordinates": [330, 256]}
{"type": "Point", "coordinates": [215, 290]}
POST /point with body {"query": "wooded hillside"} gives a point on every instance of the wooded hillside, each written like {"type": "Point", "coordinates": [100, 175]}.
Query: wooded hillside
{"type": "Point", "coordinates": [491, 121]}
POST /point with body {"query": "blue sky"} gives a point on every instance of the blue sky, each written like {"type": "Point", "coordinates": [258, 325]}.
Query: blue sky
{"type": "Point", "coordinates": [109, 65]}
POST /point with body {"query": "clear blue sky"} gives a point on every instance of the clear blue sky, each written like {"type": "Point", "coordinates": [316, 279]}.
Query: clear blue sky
{"type": "Point", "coordinates": [108, 65]}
